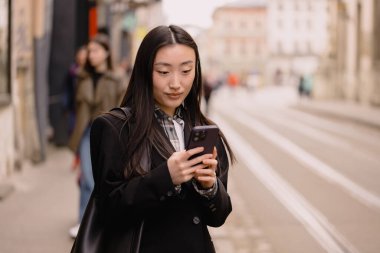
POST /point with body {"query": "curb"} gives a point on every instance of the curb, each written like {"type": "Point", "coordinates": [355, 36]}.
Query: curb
{"type": "Point", "coordinates": [348, 112]}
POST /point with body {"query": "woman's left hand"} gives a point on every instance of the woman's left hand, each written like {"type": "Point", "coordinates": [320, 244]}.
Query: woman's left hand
{"type": "Point", "coordinates": [207, 177]}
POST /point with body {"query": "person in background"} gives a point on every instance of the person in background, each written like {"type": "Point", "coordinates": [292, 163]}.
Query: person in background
{"type": "Point", "coordinates": [74, 70]}
{"type": "Point", "coordinates": [149, 196]}
{"type": "Point", "coordinates": [208, 87]}
{"type": "Point", "coordinates": [98, 90]}
{"type": "Point", "coordinates": [305, 86]}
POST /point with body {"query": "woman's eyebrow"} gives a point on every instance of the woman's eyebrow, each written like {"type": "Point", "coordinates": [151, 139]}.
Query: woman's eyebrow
{"type": "Point", "coordinates": [162, 63]}
{"type": "Point", "coordinates": [186, 62]}
{"type": "Point", "coordinates": [168, 64]}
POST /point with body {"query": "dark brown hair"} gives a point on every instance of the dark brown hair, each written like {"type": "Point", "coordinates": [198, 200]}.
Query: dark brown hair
{"type": "Point", "coordinates": [139, 95]}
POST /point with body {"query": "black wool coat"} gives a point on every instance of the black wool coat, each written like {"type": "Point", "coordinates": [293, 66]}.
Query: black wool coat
{"type": "Point", "coordinates": [172, 222]}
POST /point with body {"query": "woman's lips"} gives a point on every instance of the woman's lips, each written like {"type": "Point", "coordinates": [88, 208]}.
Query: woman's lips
{"type": "Point", "coordinates": [174, 95]}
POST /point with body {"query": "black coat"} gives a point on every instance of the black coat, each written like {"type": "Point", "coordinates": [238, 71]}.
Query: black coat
{"type": "Point", "coordinates": [172, 223]}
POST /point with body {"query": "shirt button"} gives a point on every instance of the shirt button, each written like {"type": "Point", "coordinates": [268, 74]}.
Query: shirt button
{"type": "Point", "coordinates": [196, 220]}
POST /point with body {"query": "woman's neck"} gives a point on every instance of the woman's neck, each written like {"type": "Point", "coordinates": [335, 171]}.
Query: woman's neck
{"type": "Point", "coordinates": [101, 68]}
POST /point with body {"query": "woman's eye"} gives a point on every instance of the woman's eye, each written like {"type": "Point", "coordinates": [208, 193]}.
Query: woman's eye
{"type": "Point", "coordinates": [186, 71]}
{"type": "Point", "coordinates": [162, 72]}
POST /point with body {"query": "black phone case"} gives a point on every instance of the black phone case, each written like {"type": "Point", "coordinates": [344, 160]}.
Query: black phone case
{"type": "Point", "coordinates": [204, 136]}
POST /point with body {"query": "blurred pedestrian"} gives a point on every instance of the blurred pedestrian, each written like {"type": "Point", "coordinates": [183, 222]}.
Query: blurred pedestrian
{"type": "Point", "coordinates": [300, 86]}
{"type": "Point", "coordinates": [208, 87]}
{"type": "Point", "coordinates": [148, 196]}
{"type": "Point", "coordinates": [232, 80]}
{"type": "Point", "coordinates": [98, 90]}
{"type": "Point", "coordinates": [305, 86]}
{"type": "Point", "coordinates": [278, 77]}
{"type": "Point", "coordinates": [72, 76]}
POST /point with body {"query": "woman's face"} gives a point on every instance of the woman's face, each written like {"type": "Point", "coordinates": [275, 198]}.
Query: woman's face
{"type": "Point", "coordinates": [81, 56]}
{"type": "Point", "coordinates": [173, 76]}
{"type": "Point", "coordinates": [97, 55]}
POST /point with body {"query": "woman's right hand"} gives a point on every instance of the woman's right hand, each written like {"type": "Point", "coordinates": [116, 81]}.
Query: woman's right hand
{"type": "Point", "coordinates": [181, 169]}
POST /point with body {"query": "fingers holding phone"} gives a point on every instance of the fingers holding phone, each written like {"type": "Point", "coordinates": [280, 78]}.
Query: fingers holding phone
{"type": "Point", "coordinates": [203, 136]}
{"type": "Point", "coordinates": [206, 176]}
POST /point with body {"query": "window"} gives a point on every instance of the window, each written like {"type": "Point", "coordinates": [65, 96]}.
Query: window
{"type": "Point", "coordinates": [227, 47]}
{"type": "Point", "coordinates": [243, 24]}
{"type": "Point", "coordinates": [279, 24]}
{"type": "Point", "coordinates": [5, 52]}
{"type": "Point", "coordinates": [296, 24]}
{"type": "Point", "coordinates": [243, 48]}
{"type": "Point", "coordinates": [258, 24]}
{"type": "Point", "coordinates": [308, 48]}
{"type": "Point", "coordinates": [310, 7]}
{"type": "Point", "coordinates": [296, 6]}
{"type": "Point", "coordinates": [280, 49]}
{"type": "Point", "coordinates": [296, 48]}
{"type": "Point", "coordinates": [228, 24]}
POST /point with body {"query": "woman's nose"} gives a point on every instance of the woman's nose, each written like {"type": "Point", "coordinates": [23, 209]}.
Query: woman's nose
{"type": "Point", "coordinates": [175, 82]}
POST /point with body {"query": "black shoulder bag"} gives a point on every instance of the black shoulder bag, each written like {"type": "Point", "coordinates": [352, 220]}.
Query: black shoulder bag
{"type": "Point", "coordinates": [92, 236]}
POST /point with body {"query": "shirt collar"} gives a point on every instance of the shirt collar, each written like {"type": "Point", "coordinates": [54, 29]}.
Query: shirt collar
{"type": "Point", "coordinates": [160, 114]}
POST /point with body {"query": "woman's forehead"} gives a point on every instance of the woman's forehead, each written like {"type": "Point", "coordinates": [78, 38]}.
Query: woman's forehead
{"type": "Point", "coordinates": [175, 54]}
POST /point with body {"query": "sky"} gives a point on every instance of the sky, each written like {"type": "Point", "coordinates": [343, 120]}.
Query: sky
{"type": "Point", "coordinates": [193, 12]}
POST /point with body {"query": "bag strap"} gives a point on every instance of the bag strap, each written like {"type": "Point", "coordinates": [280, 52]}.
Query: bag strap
{"type": "Point", "coordinates": [121, 112]}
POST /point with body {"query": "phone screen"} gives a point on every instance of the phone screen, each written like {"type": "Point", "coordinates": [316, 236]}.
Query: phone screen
{"type": "Point", "coordinates": [203, 136]}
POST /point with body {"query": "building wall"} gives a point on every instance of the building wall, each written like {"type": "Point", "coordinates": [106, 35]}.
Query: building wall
{"type": "Point", "coordinates": [6, 112]}
{"type": "Point", "coordinates": [298, 36]}
{"type": "Point", "coordinates": [353, 69]}
{"type": "Point", "coordinates": [19, 136]}
{"type": "Point", "coordinates": [147, 18]}
{"type": "Point", "coordinates": [7, 151]}
{"type": "Point", "coordinates": [239, 39]}
{"type": "Point", "coordinates": [23, 85]}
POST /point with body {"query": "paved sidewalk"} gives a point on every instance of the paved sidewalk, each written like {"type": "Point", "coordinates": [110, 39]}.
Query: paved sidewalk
{"type": "Point", "coordinates": [288, 96]}
{"type": "Point", "coordinates": [36, 217]}
{"type": "Point", "coordinates": [363, 114]}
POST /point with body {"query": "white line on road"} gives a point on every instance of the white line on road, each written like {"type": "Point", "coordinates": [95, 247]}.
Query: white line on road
{"type": "Point", "coordinates": [311, 162]}
{"type": "Point", "coordinates": [340, 129]}
{"type": "Point", "coordinates": [318, 135]}
{"type": "Point", "coordinates": [315, 223]}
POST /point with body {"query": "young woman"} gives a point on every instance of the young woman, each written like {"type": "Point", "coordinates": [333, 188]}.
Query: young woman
{"type": "Point", "coordinates": [149, 196]}
{"type": "Point", "coordinates": [97, 90]}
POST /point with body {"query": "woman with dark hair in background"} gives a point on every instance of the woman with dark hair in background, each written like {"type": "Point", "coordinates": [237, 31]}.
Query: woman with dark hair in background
{"type": "Point", "coordinates": [150, 195]}
{"type": "Point", "coordinates": [97, 90]}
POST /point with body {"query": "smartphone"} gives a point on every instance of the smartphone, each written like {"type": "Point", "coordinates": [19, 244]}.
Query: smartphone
{"type": "Point", "coordinates": [203, 136]}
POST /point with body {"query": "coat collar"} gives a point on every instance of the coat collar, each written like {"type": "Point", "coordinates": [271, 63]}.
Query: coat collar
{"type": "Point", "coordinates": [82, 74]}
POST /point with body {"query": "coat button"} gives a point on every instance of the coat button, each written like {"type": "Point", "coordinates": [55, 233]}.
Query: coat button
{"type": "Point", "coordinates": [196, 220]}
{"type": "Point", "coordinates": [162, 198]}
{"type": "Point", "coordinates": [169, 193]}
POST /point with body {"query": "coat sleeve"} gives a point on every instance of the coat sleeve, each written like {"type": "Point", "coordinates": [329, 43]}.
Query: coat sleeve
{"type": "Point", "coordinates": [128, 197]}
{"type": "Point", "coordinates": [217, 209]}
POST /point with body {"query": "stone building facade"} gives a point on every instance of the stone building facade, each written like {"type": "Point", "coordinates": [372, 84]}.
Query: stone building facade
{"type": "Point", "coordinates": [238, 38]}
{"type": "Point", "coordinates": [20, 136]}
{"type": "Point", "coordinates": [352, 69]}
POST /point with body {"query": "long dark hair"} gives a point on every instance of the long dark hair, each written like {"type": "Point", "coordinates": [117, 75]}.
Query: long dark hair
{"type": "Point", "coordinates": [139, 95]}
